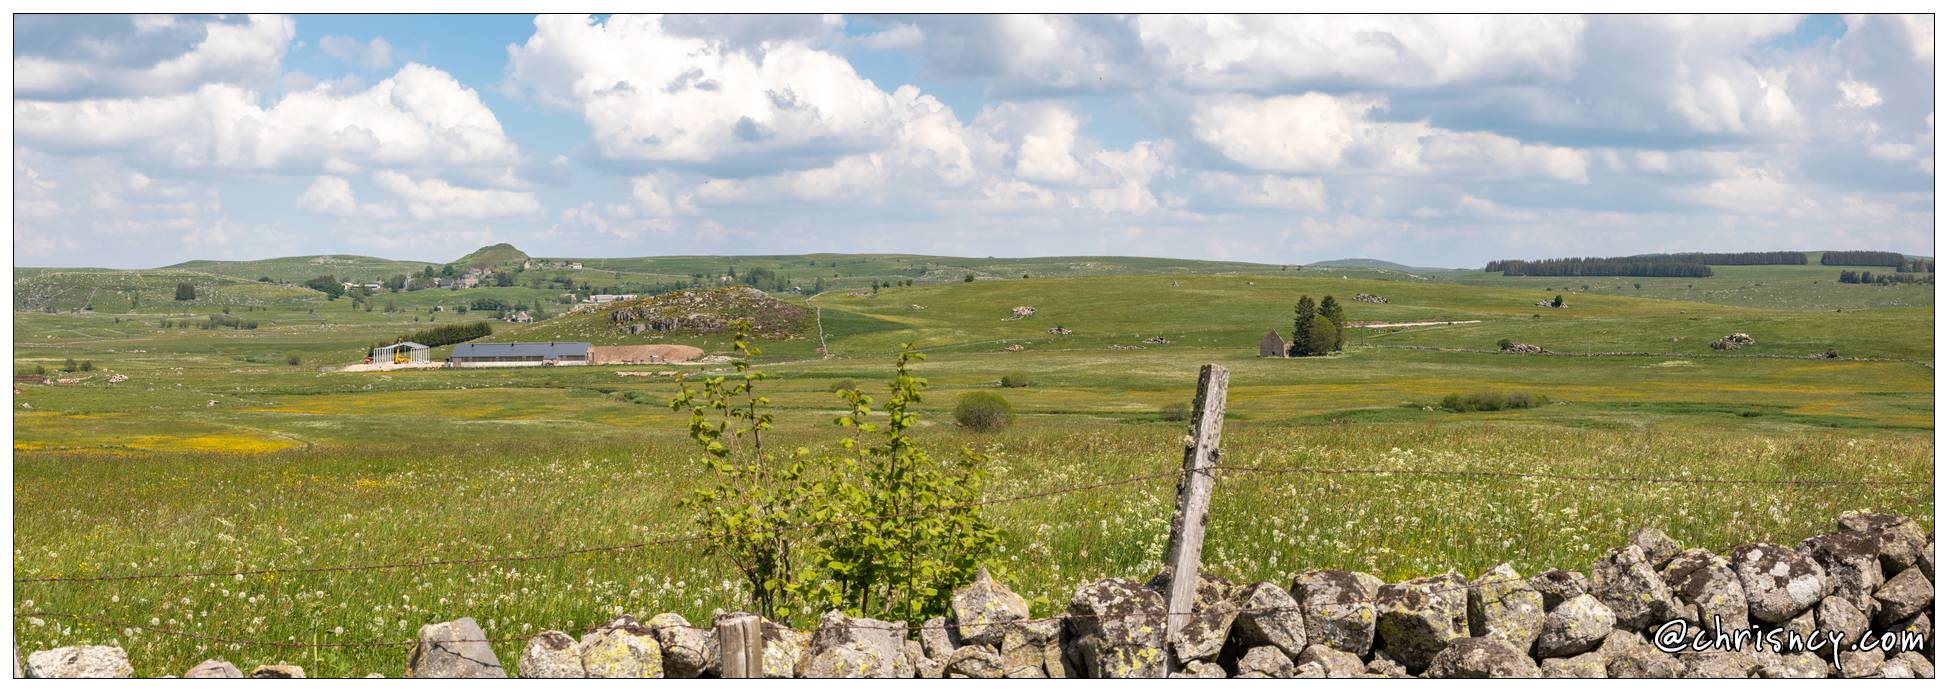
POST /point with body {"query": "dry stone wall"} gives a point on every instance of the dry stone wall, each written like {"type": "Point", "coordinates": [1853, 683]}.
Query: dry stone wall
{"type": "Point", "coordinates": [1872, 575]}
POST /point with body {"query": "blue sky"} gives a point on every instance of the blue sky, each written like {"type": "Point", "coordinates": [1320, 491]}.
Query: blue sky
{"type": "Point", "coordinates": [1448, 141]}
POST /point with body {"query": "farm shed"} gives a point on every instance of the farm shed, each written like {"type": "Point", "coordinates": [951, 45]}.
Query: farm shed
{"type": "Point", "coordinates": [1272, 346]}
{"type": "Point", "coordinates": [400, 353]}
{"type": "Point", "coordinates": [519, 354]}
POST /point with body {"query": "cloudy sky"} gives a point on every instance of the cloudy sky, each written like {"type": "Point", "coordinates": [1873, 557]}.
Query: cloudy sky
{"type": "Point", "coordinates": [1447, 141]}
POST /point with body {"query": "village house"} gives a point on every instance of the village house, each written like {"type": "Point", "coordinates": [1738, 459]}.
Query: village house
{"type": "Point", "coordinates": [574, 265]}
{"type": "Point", "coordinates": [1272, 346]}
{"type": "Point", "coordinates": [521, 317]}
{"type": "Point", "coordinates": [609, 297]}
{"type": "Point", "coordinates": [520, 354]}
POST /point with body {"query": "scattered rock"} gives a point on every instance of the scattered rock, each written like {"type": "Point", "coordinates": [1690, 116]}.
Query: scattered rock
{"type": "Point", "coordinates": [1200, 669]}
{"type": "Point", "coordinates": [1015, 348]}
{"type": "Point", "coordinates": [214, 668]}
{"type": "Point", "coordinates": [1907, 664]}
{"type": "Point", "coordinates": [970, 661]}
{"type": "Point", "coordinates": [1518, 347]}
{"type": "Point", "coordinates": [1335, 663]}
{"type": "Point", "coordinates": [688, 652]}
{"type": "Point", "coordinates": [1628, 655]}
{"type": "Point", "coordinates": [1852, 563]}
{"type": "Point", "coordinates": [1419, 617]}
{"type": "Point", "coordinates": [456, 649]}
{"type": "Point", "coordinates": [1482, 657]}
{"type": "Point", "coordinates": [1901, 540]}
{"type": "Point", "coordinates": [621, 648]}
{"type": "Point", "coordinates": [1658, 547]}
{"type": "Point", "coordinates": [277, 671]}
{"type": "Point", "coordinates": [80, 662]}
{"type": "Point", "coordinates": [1502, 604]}
{"type": "Point", "coordinates": [1708, 591]}
{"type": "Point", "coordinates": [1800, 665]}
{"type": "Point", "coordinates": [1265, 662]}
{"type": "Point", "coordinates": [1118, 628]}
{"type": "Point", "coordinates": [1779, 583]}
{"type": "Point", "coordinates": [1732, 342]}
{"type": "Point", "coordinates": [937, 639]}
{"type": "Point", "coordinates": [1369, 298]}
{"type": "Point", "coordinates": [1059, 331]}
{"type": "Point", "coordinates": [551, 654]}
{"type": "Point", "coordinates": [1337, 607]}
{"type": "Point", "coordinates": [1589, 665]}
{"type": "Point", "coordinates": [1558, 585]}
{"type": "Point", "coordinates": [849, 647]}
{"type": "Point", "coordinates": [1904, 596]}
{"type": "Point", "coordinates": [1625, 581]}
{"type": "Point", "coordinates": [1021, 311]}
{"type": "Point", "coordinates": [1578, 625]}
{"type": "Point", "coordinates": [1270, 617]}
{"type": "Point", "coordinates": [982, 609]}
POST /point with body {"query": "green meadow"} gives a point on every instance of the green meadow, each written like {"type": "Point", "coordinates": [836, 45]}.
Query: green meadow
{"type": "Point", "coordinates": [218, 454]}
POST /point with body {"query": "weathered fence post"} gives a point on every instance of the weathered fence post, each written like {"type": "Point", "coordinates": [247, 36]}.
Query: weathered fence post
{"type": "Point", "coordinates": [1186, 547]}
{"type": "Point", "coordinates": [740, 646]}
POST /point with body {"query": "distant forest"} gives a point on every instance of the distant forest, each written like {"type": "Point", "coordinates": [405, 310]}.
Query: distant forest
{"type": "Point", "coordinates": [1682, 264]}
{"type": "Point", "coordinates": [1864, 258]}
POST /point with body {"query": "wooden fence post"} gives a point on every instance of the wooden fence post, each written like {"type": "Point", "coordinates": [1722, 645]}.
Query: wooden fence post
{"type": "Point", "coordinates": [740, 646]}
{"type": "Point", "coordinates": [1186, 547]}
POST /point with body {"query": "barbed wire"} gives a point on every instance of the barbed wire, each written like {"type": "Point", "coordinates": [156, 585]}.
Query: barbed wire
{"type": "Point", "coordinates": [1528, 475]}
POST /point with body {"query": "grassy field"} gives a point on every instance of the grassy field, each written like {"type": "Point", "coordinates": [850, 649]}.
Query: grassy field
{"type": "Point", "coordinates": [216, 455]}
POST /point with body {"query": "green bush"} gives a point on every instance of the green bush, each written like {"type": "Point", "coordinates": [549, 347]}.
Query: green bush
{"type": "Point", "coordinates": [1504, 344]}
{"type": "Point", "coordinates": [1491, 401]}
{"type": "Point", "coordinates": [1175, 413]}
{"type": "Point", "coordinates": [293, 358]}
{"type": "Point", "coordinates": [1015, 379]}
{"type": "Point", "coordinates": [844, 386]}
{"type": "Point", "coordinates": [983, 412]}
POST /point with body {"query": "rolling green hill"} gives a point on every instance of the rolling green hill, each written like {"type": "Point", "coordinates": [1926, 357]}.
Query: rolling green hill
{"type": "Point", "coordinates": [496, 255]}
{"type": "Point", "coordinates": [306, 267]}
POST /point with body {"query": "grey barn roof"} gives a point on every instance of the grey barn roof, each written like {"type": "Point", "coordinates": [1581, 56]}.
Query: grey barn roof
{"type": "Point", "coordinates": [557, 349]}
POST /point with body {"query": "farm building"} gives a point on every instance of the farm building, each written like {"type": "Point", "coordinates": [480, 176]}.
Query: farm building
{"type": "Point", "coordinates": [519, 354]}
{"type": "Point", "coordinates": [1272, 346]}
{"type": "Point", "coordinates": [400, 353]}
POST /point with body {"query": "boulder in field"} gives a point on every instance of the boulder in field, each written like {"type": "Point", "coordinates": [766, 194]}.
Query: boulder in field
{"type": "Point", "coordinates": [456, 649]}
{"type": "Point", "coordinates": [80, 662]}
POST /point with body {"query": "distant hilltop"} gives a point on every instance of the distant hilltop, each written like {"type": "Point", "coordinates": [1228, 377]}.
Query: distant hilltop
{"type": "Point", "coordinates": [491, 256]}
{"type": "Point", "coordinates": [1369, 263]}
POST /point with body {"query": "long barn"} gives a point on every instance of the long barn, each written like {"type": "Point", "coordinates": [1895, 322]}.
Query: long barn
{"type": "Point", "coordinates": [519, 354]}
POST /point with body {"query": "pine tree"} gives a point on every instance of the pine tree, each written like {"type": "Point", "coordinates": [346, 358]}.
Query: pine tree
{"type": "Point", "coordinates": [1302, 315]}
{"type": "Point", "coordinates": [1334, 313]}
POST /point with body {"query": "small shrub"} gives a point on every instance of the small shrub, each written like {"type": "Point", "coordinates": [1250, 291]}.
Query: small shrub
{"type": "Point", "coordinates": [1174, 413]}
{"type": "Point", "coordinates": [1491, 401]}
{"type": "Point", "coordinates": [87, 366]}
{"type": "Point", "coordinates": [1015, 379]}
{"type": "Point", "coordinates": [983, 412]}
{"type": "Point", "coordinates": [843, 386]}
{"type": "Point", "coordinates": [293, 358]}
{"type": "Point", "coordinates": [1504, 344]}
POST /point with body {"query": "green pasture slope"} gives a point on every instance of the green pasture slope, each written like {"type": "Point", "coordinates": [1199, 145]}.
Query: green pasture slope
{"type": "Point", "coordinates": [218, 455]}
